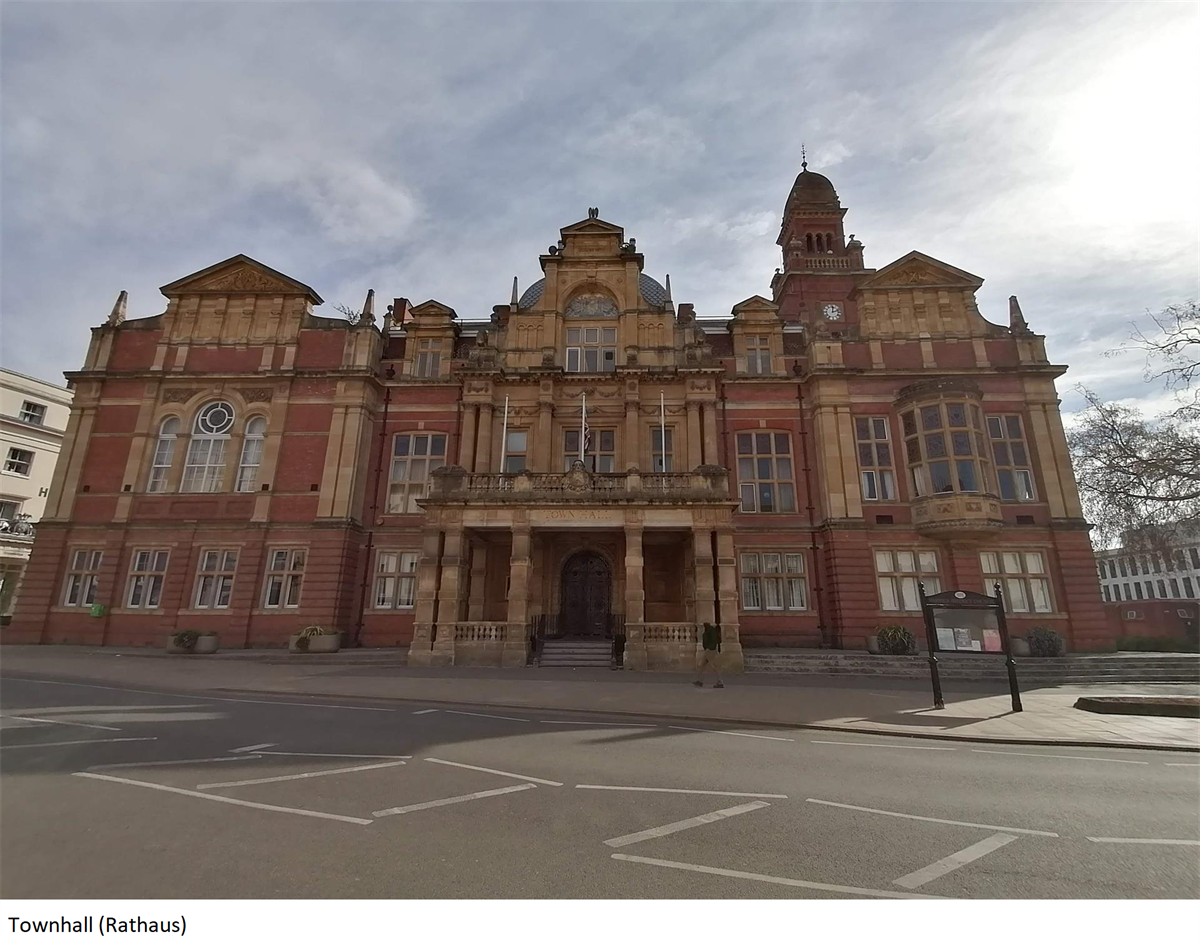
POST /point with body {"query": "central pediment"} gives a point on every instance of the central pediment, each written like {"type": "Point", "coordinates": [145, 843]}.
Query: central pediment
{"type": "Point", "coordinates": [240, 275]}
{"type": "Point", "coordinates": [918, 270]}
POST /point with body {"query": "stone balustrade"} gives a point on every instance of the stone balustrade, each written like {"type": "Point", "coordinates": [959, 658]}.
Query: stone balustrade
{"type": "Point", "coordinates": [677, 633]}
{"type": "Point", "coordinates": [455, 484]}
{"type": "Point", "coordinates": [480, 631]}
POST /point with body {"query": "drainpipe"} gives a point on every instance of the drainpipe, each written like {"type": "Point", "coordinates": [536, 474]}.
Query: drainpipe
{"type": "Point", "coordinates": [818, 588]}
{"type": "Point", "coordinates": [374, 511]}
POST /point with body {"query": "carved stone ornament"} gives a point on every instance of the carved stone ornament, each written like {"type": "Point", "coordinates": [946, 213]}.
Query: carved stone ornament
{"type": "Point", "coordinates": [179, 395]}
{"type": "Point", "coordinates": [577, 479]}
{"type": "Point", "coordinates": [591, 305]}
{"type": "Point", "coordinates": [256, 394]}
{"type": "Point", "coordinates": [916, 275]}
{"type": "Point", "coordinates": [246, 279]}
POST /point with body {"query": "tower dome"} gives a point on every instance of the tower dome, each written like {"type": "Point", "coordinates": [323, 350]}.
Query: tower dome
{"type": "Point", "coordinates": [813, 189]}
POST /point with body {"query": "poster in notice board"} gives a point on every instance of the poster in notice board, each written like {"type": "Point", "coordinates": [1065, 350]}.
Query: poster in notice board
{"type": "Point", "coordinates": [962, 639]}
{"type": "Point", "coordinates": [945, 639]}
{"type": "Point", "coordinates": [991, 640]}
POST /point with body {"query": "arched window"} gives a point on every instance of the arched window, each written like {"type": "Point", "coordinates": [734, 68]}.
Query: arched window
{"type": "Point", "coordinates": [808, 242]}
{"type": "Point", "coordinates": [828, 241]}
{"type": "Point", "coordinates": [252, 449]}
{"type": "Point", "coordinates": [204, 470]}
{"type": "Point", "coordinates": [820, 240]}
{"type": "Point", "coordinates": [164, 456]}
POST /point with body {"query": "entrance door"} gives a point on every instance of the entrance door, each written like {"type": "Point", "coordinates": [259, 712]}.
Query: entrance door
{"type": "Point", "coordinates": [586, 595]}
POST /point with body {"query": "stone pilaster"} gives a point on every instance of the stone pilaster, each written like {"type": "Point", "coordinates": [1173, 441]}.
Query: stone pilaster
{"type": "Point", "coordinates": [483, 440]}
{"type": "Point", "coordinates": [478, 581]}
{"type": "Point", "coordinates": [449, 598]}
{"type": "Point", "coordinates": [695, 458]}
{"type": "Point", "coordinates": [635, 600]}
{"type": "Point", "coordinates": [425, 603]}
{"type": "Point", "coordinates": [516, 644]}
{"type": "Point", "coordinates": [727, 602]}
{"type": "Point", "coordinates": [712, 445]}
{"type": "Point", "coordinates": [466, 444]}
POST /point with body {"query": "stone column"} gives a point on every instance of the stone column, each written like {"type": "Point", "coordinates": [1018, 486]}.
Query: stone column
{"type": "Point", "coordinates": [448, 598]}
{"type": "Point", "coordinates": [483, 440]}
{"type": "Point", "coordinates": [516, 644]}
{"type": "Point", "coordinates": [633, 438]}
{"type": "Point", "coordinates": [727, 602]}
{"type": "Point", "coordinates": [635, 600]}
{"type": "Point", "coordinates": [693, 437]}
{"type": "Point", "coordinates": [705, 590]}
{"type": "Point", "coordinates": [478, 581]}
{"type": "Point", "coordinates": [712, 446]}
{"type": "Point", "coordinates": [425, 603]}
{"type": "Point", "coordinates": [466, 444]}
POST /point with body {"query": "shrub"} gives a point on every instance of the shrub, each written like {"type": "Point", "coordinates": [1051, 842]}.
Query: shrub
{"type": "Point", "coordinates": [312, 631]}
{"type": "Point", "coordinates": [1158, 644]}
{"type": "Point", "coordinates": [1045, 642]}
{"type": "Point", "coordinates": [896, 639]}
{"type": "Point", "coordinates": [186, 639]}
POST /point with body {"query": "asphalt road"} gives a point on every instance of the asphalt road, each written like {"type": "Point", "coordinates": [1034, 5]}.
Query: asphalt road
{"type": "Point", "coordinates": [109, 792]}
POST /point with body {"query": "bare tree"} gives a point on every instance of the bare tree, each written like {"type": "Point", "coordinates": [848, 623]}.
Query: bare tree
{"type": "Point", "coordinates": [353, 315]}
{"type": "Point", "coordinates": [1139, 476]}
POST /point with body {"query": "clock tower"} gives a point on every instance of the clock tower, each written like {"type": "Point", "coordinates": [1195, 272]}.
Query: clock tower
{"type": "Point", "coordinates": [819, 263]}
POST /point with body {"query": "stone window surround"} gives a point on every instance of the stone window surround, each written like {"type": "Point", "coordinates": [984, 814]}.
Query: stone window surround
{"type": "Point", "coordinates": [244, 414]}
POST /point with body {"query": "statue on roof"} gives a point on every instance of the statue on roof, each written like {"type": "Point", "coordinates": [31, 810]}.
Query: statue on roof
{"type": "Point", "coordinates": [593, 212]}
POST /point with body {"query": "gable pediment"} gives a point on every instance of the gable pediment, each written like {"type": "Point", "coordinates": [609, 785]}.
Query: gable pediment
{"type": "Point", "coordinates": [592, 227]}
{"type": "Point", "coordinates": [433, 310]}
{"type": "Point", "coordinates": [756, 303]}
{"type": "Point", "coordinates": [239, 275]}
{"type": "Point", "coordinates": [918, 270]}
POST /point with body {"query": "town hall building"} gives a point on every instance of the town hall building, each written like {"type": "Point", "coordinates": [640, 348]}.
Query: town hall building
{"type": "Point", "coordinates": [593, 460]}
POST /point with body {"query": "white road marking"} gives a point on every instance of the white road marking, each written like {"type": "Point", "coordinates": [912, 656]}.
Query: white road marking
{"type": "Point", "coordinates": [939, 868]}
{"type": "Point", "coordinates": [299, 775]}
{"type": "Point", "coordinates": [106, 708]}
{"type": "Point", "coordinates": [329, 755]}
{"type": "Point", "coordinates": [675, 791]}
{"type": "Point", "coordinates": [880, 745]}
{"type": "Point", "coordinates": [486, 716]}
{"type": "Point", "coordinates": [38, 719]}
{"type": "Point", "coordinates": [159, 693]}
{"type": "Point", "coordinates": [255, 747]}
{"type": "Point", "coordinates": [421, 712]}
{"type": "Point", "coordinates": [146, 765]}
{"type": "Point", "coordinates": [229, 801]}
{"type": "Point", "coordinates": [764, 878]}
{"type": "Point", "coordinates": [480, 768]}
{"type": "Point", "coordinates": [687, 823]}
{"type": "Point", "coordinates": [80, 742]}
{"type": "Point", "coordinates": [405, 809]}
{"type": "Point", "coordinates": [597, 723]}
{"type": "Point", "coordinates": [729, 732]}
{"type": "Point", "coordinates": [1183, 765]}
{"type": "Point", "coordinates": [1142, 840]}
{"type": "Point", "coordinates": [1047, 755]}
{"type": "Point", "coordinates": [917, 817]}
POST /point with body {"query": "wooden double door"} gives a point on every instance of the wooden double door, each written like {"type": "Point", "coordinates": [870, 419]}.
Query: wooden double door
{"type": "Point", "coordinates": [586, 600]}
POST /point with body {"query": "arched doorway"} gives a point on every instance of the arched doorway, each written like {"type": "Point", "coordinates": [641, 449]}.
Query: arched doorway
{"type": "Point", "coordinates": [586, 595]}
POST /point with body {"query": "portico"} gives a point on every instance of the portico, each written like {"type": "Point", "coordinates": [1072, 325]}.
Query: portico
{"type": "Point", "coordinates": [649, 556]}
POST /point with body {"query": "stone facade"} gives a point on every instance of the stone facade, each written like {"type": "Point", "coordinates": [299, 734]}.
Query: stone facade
{"type": "Point", "coordinates": [590, 459]}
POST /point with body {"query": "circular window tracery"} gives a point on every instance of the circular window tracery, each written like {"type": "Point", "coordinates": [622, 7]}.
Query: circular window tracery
{"type": "Point", "coordinates": [591, 305]}
{"type": "Point", "coordinates": [216, 418]}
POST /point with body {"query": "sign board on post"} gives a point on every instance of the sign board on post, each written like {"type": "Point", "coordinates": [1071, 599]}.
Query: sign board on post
{"type": "Point", "coordinates": [968, 621]}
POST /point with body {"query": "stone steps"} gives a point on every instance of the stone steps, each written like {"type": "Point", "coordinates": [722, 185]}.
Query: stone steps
{"type": "Point", "coordinates": [576, 653]}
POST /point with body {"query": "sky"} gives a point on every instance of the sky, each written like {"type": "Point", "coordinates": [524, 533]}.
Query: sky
{"type": "Point", "coordinates": [435, 150]}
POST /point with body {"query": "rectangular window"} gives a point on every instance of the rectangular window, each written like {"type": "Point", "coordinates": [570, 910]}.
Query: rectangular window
{"type": "Point", "coordinates": [758, 354]}
{"type": "Point", "coordinates": [662, 458]}
{"type": "Point", "coordinates": [395, 579]}
{"type": "Point", "coordinates": [214, 578]}
{"type": "Point", "coordinates": [414, 457]}
{"type": "Point", "coordinates": [1106, 595]}
{"type": "Point", "coordinates": [146, 574]}
{"type": "Point", "coordinates": [19, 461]}
{"type": "Point", "coordinates": [1137, 590]}
{"type": "Point", "coordinates": [285, 576]}
{"type": "Point", "coordinates": [591, 349]}
{"type": "Point", "coordinates": [875, 458]}
{"type": "Point", "coordinates": [514, 451]}
{"type": "Point", "coordinates": [82, 576]}
{"type": "Point", "coordinates": [429, 359]}
{"type": "Point", "coordinates": [205, 466]}
{"type": "Point", "coordinates": [898, 573]}
{"type": "Point", "coordinates": [1023, 577]}
{"type": "Point", "coordinates": [1188, 590]}
{"type": "Point", "coordinates": [1149, 589]}
{"type": "Point", "coordinates": [1013, 471]}
{"type": "Point", "coordinates": [765, 472]}
{"type": "Point", "coordinates": [9, 509]}
{"type": "Point", "coordinates": [600, 450]}
{"type": "Point", "coordinates": [1195, 554]}
{"type": "Point", "coordinates": [33, 412]}
{"type": "Point", "coordinates": [773, 582]}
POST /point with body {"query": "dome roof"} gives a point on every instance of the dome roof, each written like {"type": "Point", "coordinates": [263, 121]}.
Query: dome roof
{"type": "Point", "coordinates": [813, 188]}
{"type": "Point", "coordinates": [654, 293]}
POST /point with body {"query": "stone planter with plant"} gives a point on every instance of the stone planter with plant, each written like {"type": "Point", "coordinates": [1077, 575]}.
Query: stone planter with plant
{"type": "Point", "coordinates": [316, 639]}
{"type": "Point", "coordinates": [896, 640]}
{"type": "Point", "coordinates": [193, 642]}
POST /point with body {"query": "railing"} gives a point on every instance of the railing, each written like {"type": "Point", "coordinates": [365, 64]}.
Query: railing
{"type": "Point", "coordinates": [707, 482]}
{"type": "Point", "coordinates": [480, 631]}
{"type": "Point", "coordinates": [825, 263]}
{"type": "Point", "coordinates": [544, 628]}
{"type": "Point", "coordinates": [672, 633]}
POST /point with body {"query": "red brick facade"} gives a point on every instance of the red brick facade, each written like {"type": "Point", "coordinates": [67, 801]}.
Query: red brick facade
{"type": "Point", "coordinates": [804, 375]}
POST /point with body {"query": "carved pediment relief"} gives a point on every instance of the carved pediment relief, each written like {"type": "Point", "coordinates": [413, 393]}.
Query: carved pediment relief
{"type": "Point", "coordinates": [919, 270]}
{"type": "Point", "coordinates": [240, 275]}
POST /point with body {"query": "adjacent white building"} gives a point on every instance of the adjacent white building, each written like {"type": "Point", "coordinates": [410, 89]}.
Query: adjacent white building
{"type": "Point", "coordinates": [1127, 576]}
{"type": "Point", "coordinates": [33, 418]}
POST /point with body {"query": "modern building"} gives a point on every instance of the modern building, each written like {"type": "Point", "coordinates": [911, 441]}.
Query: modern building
{"type": "Point", "coordinates": [591, 459]}
{"type": "Point", "coordinates": [33, 415]}
{"type": "Point", "coordinates": [1153, 592]}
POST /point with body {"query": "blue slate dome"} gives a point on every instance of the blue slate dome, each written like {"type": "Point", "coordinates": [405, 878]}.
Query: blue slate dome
{"type": "Point", "coordinates": [654, 293]}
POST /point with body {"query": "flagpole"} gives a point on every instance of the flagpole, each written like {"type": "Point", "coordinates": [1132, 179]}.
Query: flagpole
{"type": "Point", "coordinates": [582, 424]}
{"type": "Point", "coordinates": [504, 437]}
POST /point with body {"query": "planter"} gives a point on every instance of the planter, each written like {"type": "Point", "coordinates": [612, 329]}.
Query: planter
{"type": "Point", "coordinates": [206, 643]}
{"type": "Point", "coordinates": [317, 644]}
{"type": "Point", "coordinates": [1019, 646]}
{"type": "Point", "coordinates": [873, 644]}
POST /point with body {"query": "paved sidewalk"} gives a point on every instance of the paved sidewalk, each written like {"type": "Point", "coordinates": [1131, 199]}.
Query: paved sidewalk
{"type": "Point", "coordinates": [975, 711]}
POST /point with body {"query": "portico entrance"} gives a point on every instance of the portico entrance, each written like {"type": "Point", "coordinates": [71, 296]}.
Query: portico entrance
{"type": "Point", "coordinates": [586, 600]}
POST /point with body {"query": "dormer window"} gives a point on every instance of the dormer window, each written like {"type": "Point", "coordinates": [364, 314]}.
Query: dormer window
{"type": "Point", "coordinates": [591, 349]}
{"type": "Point", "coordinates": [758, 354]}
{"type": "Point", "coordinates": [429, 359]}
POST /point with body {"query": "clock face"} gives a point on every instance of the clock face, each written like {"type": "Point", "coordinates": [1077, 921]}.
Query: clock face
{"type": "Point", "coordinates": [832, 312]}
